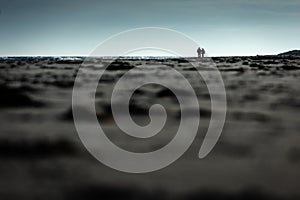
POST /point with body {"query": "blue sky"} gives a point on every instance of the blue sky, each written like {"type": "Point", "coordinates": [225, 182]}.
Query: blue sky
{"type": "Point", "coordinates": [223, 27]}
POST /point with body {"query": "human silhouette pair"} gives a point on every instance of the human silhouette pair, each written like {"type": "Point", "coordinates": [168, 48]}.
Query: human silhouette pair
{"type": "Point", "coordinates": [201, 52]}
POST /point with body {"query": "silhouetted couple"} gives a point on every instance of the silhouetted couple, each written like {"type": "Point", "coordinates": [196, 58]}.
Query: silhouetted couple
{"type": "Point", "coordinates": [201, 52]}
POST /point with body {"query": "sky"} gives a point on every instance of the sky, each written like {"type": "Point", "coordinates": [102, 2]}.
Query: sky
{"type": "Point", "coordinates": [76, 27]}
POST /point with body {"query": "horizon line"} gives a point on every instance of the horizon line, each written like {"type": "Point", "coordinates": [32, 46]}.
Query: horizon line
{"type": "Point", "coordinates": [192, 56]}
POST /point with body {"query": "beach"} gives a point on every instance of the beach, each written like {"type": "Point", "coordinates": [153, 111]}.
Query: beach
{"type": "Point", "coordinates": [257, 155]}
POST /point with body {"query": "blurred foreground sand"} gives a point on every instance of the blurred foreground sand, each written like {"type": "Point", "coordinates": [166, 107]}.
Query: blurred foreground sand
{"type": "Point", "coordinates": [257, 156]}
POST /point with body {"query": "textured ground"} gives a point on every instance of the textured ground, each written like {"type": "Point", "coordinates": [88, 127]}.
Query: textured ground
{"type": "Point", "coordinates": [257, 157]}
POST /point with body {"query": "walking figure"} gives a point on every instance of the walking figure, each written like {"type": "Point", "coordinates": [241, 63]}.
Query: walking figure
{"type": "Point", "coordinates": [203, 52]}
{"type": "Point", "coordinates": [199, 51]}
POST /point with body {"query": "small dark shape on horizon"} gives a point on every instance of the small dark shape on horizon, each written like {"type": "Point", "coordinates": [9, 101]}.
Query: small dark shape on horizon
{"type": "Point", "coordinates": [290, 53]}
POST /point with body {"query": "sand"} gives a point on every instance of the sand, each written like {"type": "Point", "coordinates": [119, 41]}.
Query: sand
{"type": "Point", "coordinates": [257, 156]}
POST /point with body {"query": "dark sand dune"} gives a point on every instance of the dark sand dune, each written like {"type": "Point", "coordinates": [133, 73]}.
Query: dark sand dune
{"type": "Point", "coordinates": [35, 149]}
{"type": "Point", "coordinates": [18, 97]}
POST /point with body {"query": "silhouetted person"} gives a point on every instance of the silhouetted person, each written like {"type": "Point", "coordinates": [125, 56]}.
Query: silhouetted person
{"type": "Point", "coordinates": [202, 52]}
{"type": "Point", "coordinates": [199, 51]}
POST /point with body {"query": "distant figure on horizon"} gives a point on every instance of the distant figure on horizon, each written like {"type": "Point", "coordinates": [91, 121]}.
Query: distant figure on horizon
{"type": "Point", "coordinates": [199, 51]}
{"type": "Point", "coordinates": [203, 52]}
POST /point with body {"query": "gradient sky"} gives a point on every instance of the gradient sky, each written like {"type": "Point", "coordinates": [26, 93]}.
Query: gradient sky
{"type": "Point", "coordinates": [76, 27]}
